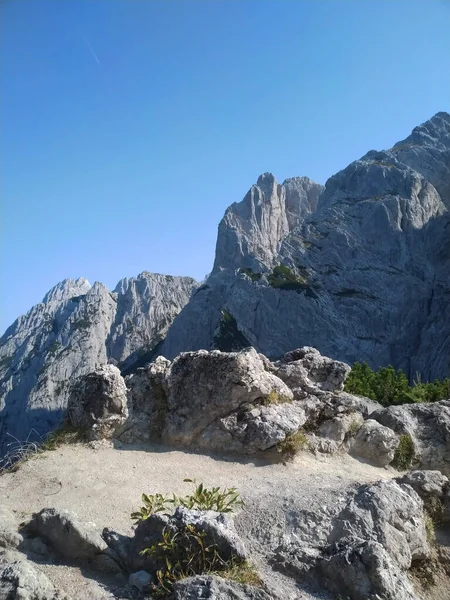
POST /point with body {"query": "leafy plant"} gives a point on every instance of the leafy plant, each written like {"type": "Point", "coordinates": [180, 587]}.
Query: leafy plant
{"type": "Point", "coordinates": [404, 454]}
{"type": "Point", "coordinates": [184, 553]}
{"type": "Point", "coordinates": [293, 443]}
{"type": "Point", "coordinates": [250, 273]}
{"type": "Point", "coordinates": [217, 499]}
{"type": "Point", "coordinates": [220, 500]}
{"type": "Point", "coordinates": [153, 503]}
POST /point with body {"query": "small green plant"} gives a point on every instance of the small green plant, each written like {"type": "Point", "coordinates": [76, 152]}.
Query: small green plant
{"type": "Point", "coordinates": [217, 499]}
{"type": "Point", "coordinates": [275, 398]}
{"type": "Point", "coordinates": [429, 528]}
{"type": "Point", "coordinates": [182, 553]}
{"type": "Point", "coordinates": [220, 500]}
{"type": "Point", "coordinates": [153, 503]}
{"type": "Point", "coordinates": [404, 454]}
{"type": "Point", "coordinates": [293, 443]}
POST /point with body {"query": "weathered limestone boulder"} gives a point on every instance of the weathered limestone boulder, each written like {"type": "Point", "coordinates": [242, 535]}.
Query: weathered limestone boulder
{"type": "Point", "coordinates": [375, 443]}
{"type": "Point", "coordinates": [388, 513]}
{"type": "Point", "coordinates": [19, 580]}
{"type": "Point", "coordinates": [306, 371]}
{"type": "Point", "coordinates": [426, 483]}
{"type": "Point", "coordinates": [218, 527]}
{"type": "Point", "coordinates": [147, 402]}
{"type": "Point", "coordinates": [205, 386]}
{"type": "Point", "coordinates": [253, 430]}
{"type": "Point", "coordinates": [9, 534]}
{"type": "Point", "coordinates": [73, 539]}
{"type": "Point", "coordinates": [211, 587]}
{"type": "Point", "coordinates": [428, 424]}
{"type": "Point", "coordinates": [339, 428]}
{"type": "Point", "coordinates": [98, 402]}
{"type": "Point", "coordinates": [360, 549]}
{"type": "Point", "coordinates": [363, 570]}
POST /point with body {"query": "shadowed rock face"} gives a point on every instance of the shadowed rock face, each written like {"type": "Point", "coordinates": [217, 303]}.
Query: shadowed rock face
{"type": "Point", "coordinates": [75, 329]}
{"type": "Point", "coordinates": [368, 260]}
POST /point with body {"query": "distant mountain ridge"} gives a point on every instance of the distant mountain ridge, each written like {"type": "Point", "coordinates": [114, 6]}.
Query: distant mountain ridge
{"type": "Point", "coordinates": [76, 328]}
{"type": "Point", "coordinates": [358, 268]}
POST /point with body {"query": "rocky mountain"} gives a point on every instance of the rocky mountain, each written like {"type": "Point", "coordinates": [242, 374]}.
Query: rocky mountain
{"type": "Point", "coordinates": [359, 269]}
{"type": "Point", "coordinates": [74, 329]}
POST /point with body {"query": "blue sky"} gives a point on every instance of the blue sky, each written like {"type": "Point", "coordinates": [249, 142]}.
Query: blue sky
{"type": "Point", "coordinates": [129, 126]}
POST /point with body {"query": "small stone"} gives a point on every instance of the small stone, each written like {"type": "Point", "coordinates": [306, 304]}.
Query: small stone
{"type": "Point", "coordinates": [141, 580]}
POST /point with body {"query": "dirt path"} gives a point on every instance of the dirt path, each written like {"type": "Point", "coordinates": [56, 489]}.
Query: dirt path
{"type": "Point", "coordinates": [104, 485]}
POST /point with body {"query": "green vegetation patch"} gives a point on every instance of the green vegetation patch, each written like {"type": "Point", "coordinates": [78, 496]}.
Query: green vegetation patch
{"type": "Point", "coordinates": [228, 337]}
{"type": "Point", "coordinates": [293, 444]}
{"type": "Point", "coordinates": [253, 276]}
{"type": "Point", "coordinates": [283, 278]}
{"type": "Point", "coordinates": [275, 398]}
{"type": "Point", "coordinates": [404, 454]}
{"type": "Point", "coordinates": [388, 386]}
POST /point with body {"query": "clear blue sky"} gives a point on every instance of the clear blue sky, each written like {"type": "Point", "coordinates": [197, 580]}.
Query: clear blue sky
{"type": "Point", "coordinates": [129, 126]}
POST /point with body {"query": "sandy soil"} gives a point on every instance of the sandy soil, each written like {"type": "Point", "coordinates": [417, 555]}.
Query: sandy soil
{"type": "Point", "coordinates": [104, 485]}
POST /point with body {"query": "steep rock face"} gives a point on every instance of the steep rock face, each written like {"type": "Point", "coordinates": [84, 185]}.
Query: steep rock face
{"type": "Point", "coordinates": [74, 330]}
{"type": "Point", "coordinates": [366, 271]}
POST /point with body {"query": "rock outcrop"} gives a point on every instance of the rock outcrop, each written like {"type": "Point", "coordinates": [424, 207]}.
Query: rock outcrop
{"type": "Point", "coordinates": [428, 425]}
{"type": "Point", "coordinates": [317, 275]}
{"type": "Point", "coordinates": [75, 329]}
{"type": "Point", "coordinates": [97, 404]}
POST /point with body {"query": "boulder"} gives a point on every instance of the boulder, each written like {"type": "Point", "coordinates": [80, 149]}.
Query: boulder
{"type": "Point", "coordinates": [97, 402]}
{"type": "Point", "coordinates": [20, 580]}
{"type": "Point", "coordinates": [218, 527]}
{"type": "Point", "coordinates": [141, 580]}
{"type": "Point", "coordinates": [428, 424]}
{"type": "Point", "coordinates": [388, 513]}
{"type": "Point", "coordinates": [363, 570]}
{"type": "Point", "coordinates": [9, 529]}
{"type": "Point", "coordinates": [211, 385]}
{"type": "Point", "coordinates": [67, 535]}
{"type": "Point", "coordinates": [147, 402]}
{"type": "Point", "coordinates": [211, 587]}
{"type": "Point", "coordinates": [426, 483]}
{"type": "Point", "coordinates": [306, 371]}
{"type": "Point", "coordinates": [375, 443]}
{"type": "Point", "coordinates": [254, 430]}
{"type": "Point", "coordinates": [341, 427]}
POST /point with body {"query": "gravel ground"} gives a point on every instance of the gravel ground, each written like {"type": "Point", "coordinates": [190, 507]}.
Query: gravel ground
{"type": "Point", "coordinates": [104, 485]}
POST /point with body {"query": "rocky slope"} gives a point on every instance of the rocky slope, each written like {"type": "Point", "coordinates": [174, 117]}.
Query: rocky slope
{"type": "Point", "coordinates": [74, 329]}
{"type": "Point", "coordinates": [367, 257]}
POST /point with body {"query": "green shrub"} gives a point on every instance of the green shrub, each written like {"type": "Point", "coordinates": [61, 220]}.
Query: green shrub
{"type": "Point", "coordinates": [429, 528]}
{"type": "Point", "coordinates": [217, 499]}
{"type": "Point", "coordinates": [184, 552]}
{"type": "Point", "coordinates": [253, 276]}
{"type": "Point", "coordinates": [404, 454]}
{"type": "Point", "coordinates": [388, 386]}
{"type": "Point", "coordinates": [293, 444]}
{"type": "Point", "coordinates": [275, 398]}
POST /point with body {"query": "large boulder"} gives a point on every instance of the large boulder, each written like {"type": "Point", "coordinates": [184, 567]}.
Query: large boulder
{"type": "Point", "coordinates": [218, 529]}
{"type": "Point", "coordinates": [97, 402]}
{"type": "Point", "coordinates": [205, 386]}
{"type": "Point", "coordinates": [147, 402]}
{"type": "Point", "coordinates": [306, 371]}
{"type": "Point", "coordinates": [73, 539]}
{"type": "Point", "coordinates": [211, 587]}
{"type": "Point", "coordinates": [20, 580]}
{"type": "Point", "coordinates": [375, 443]}
{"type": "Point", "coordinates": [253, 430]}
{"type": "Point", "coordinates": [426, 483]}
{"type": "Point", "coordinates": [363, 570]}
{"type": "Point", "coordinates": [428, 424]}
